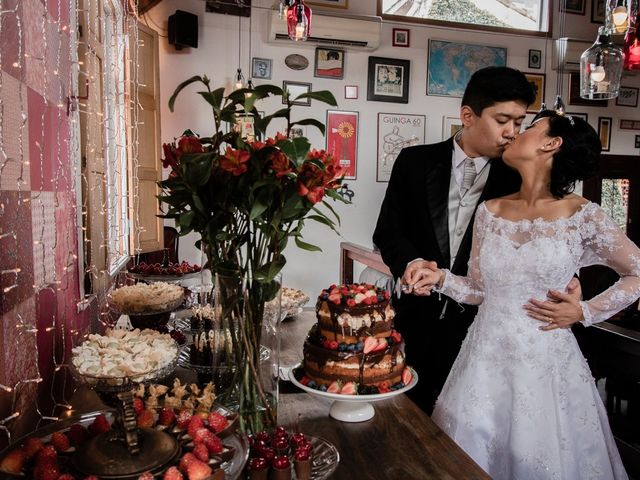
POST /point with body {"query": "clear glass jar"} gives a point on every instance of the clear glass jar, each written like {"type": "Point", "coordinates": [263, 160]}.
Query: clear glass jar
{"type": "Point", "coordinates": [601, 68]}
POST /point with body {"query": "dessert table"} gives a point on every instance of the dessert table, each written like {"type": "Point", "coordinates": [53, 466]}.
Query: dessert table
{"type": "Point", "coordinates": [399, 442]}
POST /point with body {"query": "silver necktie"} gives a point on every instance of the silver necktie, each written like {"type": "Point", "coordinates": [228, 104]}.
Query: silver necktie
{"type": "Point", "coordinates": [469, 174]}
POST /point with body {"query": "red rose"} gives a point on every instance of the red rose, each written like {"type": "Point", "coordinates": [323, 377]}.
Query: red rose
{"type": "Point", "coordinates": [235, 161]}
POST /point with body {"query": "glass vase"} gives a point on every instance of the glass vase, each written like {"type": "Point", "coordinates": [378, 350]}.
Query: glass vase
{"type": "Point", "coordinates": [249, 310]}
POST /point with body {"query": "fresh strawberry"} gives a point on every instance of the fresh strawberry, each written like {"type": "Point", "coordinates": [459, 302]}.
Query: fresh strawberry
{"type": "Point", "coordinates": [335, 387]}
{"type": "Point", "coordinates": [32, 446]}
{"type": "Point", "coordinates": [47, 471]}
{"type": "Point", "coordinates": [384, 387]}
{"type": "Point", "coordinates": [382, 345]}
{"type": "Point", "coordinates": [60, 442]}
{"type": "Point", "coordinates": [172, 474]}
{"type": "Point", "coordinates": [198, 470]}
{"type": "Point", "coordinates": [146, 476]}
{"type": "Point", "coordinates": [186, 460]}
{"type": "Point", "coordinates": [201, 452]}
{"type": "Point", "coordinates": [195, 424]}
{"type": "Point", "coordinates": [166, 417]}
{"type": "Point", "coordinates": [66, 476]}
{"type": "Point", "coordinates": [47, 455]}
{"type": "Point", "coordinates": [13, 461]}
{"type": "Point", "coordinates": [77, 434]}
{"type": "Point", "coordinates": [201, 434]}
{"type": "Point", "coordinates": [138, 405]}
{"type": "Point", "coordinates": [217, 422]}
{"type": "Point", "coordinates": [335, 298]}
{"type": "Point", "coordinates": [184, 417]}
{"type": "Point", "coordinates": [99, 425]}
{"type": "Point", "coordinates": [91, 477]}
{"type": "Point", "coordinates": [349, 388]}
{"type": "Point", "coordinates": [146, 419]}
{"type": "Point", "coordinates": [407, 376]}
{"type": "Point", "coordinates": [213, 444]}
{"type": "Point", "coordinates": [351, 302]}
{"type": "Point", "coordinates": [397, 338]}
{"type": "Point", "coordinates": [370, 293]}
{"type": "Point", "coordinates": [305, 380]}
{"type": "Point", "coordinates": [333, 345]}
{"type": "Point", "coordinates": [359, 297]}
{"type": "Point", "coordinates": [370, 344]}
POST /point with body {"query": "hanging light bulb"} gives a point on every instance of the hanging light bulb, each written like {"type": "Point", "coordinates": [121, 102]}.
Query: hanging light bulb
{"type": "Point", "coordinates": [239, 80]}
{"type": "Point", "coordinates": [620, 17]}
{"type": "Point", "coordinates": [299, 21]}
{"type": "Point", "coordinates": [249, 92]}
{"type": "Point", "coordinates": [601, 68]}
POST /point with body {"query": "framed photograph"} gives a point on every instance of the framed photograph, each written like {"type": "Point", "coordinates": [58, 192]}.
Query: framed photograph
{"type": "Point", "coordinates": [351, 92]}
{"type": "Point", "coordinates": [464, 59]}
{"type": "Point", "coordinates": [395, 132]}
{"type": "Point", "coordinates": [388, 80]}
{"type": "Point", "coordinates": [628, 97]}
{"type": "Point", "coordinates": [401, 37]}
{"type": "Point", "coordinates": [342, 140]}
{"type": "Point", "coordinates": [296, 89]}
{"type": "Point", "coordinates": [574, 93]}
{"type": "Point", "coordinates": [261, 68]}
{"type": "Point", "coordinates": [297, 131]}
{"type": "Point", "coordinates": [629, 124]}
{"type": "Point", "coordinates": [330, 3]}
{"type": "Point", "coordinates": [583, 116]}
{"type": "Point", "coordinates": [329, 63]}
{"type": "Point", "coordinates": [604, 132]}
{"type": "Point", "coordinates": [637, 142]}
{"type": "Point", "coordinates": [450, 126]}
{"type": "Point", "coordinates": [535, 59]}
{"type": "Point", "coordinates": [573, 6]}
{"type": "Point", "coordinates": [537, 82]}
{"type": "Point", "coordinates": [597, 11]}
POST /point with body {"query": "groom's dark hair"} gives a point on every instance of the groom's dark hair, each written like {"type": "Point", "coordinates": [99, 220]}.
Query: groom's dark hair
{"type": "Point", "coordinates": [491, 85]}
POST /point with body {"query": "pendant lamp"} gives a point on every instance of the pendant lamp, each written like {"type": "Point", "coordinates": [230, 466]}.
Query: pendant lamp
{"type": "Point", "coordinates": [601, 68]}
{"type": "Point", "coordinates": [298, 21]}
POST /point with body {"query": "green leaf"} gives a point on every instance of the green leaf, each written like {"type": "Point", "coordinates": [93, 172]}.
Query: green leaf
{"type": "Point", "coordinates": [330, 208]}
{"type": "Point", "coordinates": [197, 203]}
{"type": "Point", "coordinates": [214, 98]}
{"type": "Point", "coordinates": [267, 272]}
{"type": "Point", "coordinates": [257, 209]}
{"type": "Point", "coordinates": [196, 169]}
{"type": "Point", "coordinates": [189, 81]}
{"type": "Point", "coordinates": [307, 246]}
{"type": "Point", "coordinates": [320, 218]}
{"type": "Point", "coordinates": [324, 96]}
{"type": "Point", "coordinates": [186, 219]}
{"type": "Point", "coordinates": [311, 121]}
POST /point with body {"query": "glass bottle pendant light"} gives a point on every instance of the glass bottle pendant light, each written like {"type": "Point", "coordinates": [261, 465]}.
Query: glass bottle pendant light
{"type": "Point", "coordinates": [632, 46]}
{"type": "Point", "coordinates": [601, 68]}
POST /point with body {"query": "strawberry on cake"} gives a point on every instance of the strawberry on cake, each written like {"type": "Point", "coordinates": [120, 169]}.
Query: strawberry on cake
{"type": "Point", "coordinates": [353, 347]}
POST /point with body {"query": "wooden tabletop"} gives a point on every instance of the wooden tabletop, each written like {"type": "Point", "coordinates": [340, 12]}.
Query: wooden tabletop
{"type": "Point", "coordinates": [399, 442]}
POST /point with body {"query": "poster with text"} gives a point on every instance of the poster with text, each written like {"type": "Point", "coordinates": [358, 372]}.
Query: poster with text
{"type": "Point", "coordinates": [342, 139]}
{"type": "Point", "coordinates": [395, 132]}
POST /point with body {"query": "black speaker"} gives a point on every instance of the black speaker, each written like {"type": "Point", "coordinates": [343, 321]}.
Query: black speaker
{"type": "Point", "coordinates": [183, 30]}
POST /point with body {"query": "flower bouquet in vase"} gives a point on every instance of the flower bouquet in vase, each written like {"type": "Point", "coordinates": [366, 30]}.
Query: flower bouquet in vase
{"type": "Point", "coordinates": [247, 198]}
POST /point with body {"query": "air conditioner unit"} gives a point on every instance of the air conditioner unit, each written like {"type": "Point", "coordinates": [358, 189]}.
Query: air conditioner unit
{"type": "Point", "coordinates": [350, 32]}
{"type": "Point", "coordinates": [567, 52]}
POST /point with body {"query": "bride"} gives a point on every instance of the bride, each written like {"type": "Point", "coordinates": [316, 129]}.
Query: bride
{"type": "Point", "coordinates": [520, 398]}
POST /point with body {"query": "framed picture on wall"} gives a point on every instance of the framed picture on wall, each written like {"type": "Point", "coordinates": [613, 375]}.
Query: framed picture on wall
{"type": "Point", "coordinates": [537, 82]}
{"type": "Point", "coordinates": [261, 68]}
{"type": "Point", "coordinates": [573, 6]}
{"type": "Point", "coordinates": [604, 132]}
{"type": "Point", "coordinates": [388, 80]}
{"type": "Point", "coordinates": [583, 116]}
{"type": "Point", "coordinates": [296, 89]}
{"type": "Point", "coordinates": [342, 140]}
{"type": "Point", "coordinates": [329, 63]}
{"type": "Point", "coordinates": [450, 126]}
{"type": "Point", "coordinates": [351, 92]}
{"type": "Point", "coordinates": [330, 3]}
{"type": "Point", "coordinates": [535, 59]}
{"type": "Point", "coordinates": [447, 56]}
{"type": "Point", "coordinates": [627, 97]}
{"type": "Point", "coordinates": [597, 11]}
{"type": "Point", "coordinates": [401, 37]}
{"type": "Point", "coordinates": [395, 132]}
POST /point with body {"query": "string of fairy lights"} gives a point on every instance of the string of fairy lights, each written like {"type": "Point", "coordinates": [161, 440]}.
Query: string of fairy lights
{"type": "Point", "coordinates": [85, 66]}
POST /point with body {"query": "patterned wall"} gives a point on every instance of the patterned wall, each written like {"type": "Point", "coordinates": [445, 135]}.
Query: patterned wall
{"type": "Point", "coordinates": [38, 231]}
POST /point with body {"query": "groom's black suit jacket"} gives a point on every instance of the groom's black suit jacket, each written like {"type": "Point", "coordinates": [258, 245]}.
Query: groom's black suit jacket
{"type": "Point", "coordinates": [413, 223]}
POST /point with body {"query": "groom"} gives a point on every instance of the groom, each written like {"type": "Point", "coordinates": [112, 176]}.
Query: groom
{"type": "Point", "coordinates": [428, 210]}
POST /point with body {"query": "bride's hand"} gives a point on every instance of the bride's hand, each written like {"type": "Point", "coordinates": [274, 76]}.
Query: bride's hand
{"type": "Point", "coordinates": [561, 310]}
{"type": "Point", "coordinates": [425, 279]}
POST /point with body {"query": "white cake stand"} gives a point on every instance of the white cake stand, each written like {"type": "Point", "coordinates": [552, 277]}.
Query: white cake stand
{"type": "Point", "coordinates": [352, 408]}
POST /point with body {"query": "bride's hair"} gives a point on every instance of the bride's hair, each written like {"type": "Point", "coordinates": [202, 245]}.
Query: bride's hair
{"type": "Point", "coordinates": [579, 155]}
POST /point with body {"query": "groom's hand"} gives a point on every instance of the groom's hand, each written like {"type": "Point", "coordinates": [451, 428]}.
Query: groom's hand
{"type": "Point", "coordinates": [411, 275]}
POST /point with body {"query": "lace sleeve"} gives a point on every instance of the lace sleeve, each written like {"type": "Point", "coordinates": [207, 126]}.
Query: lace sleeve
{"type": "Point", "coordinates": [605, 244]}
{"type": "Point", "coordinates": [468, 289]}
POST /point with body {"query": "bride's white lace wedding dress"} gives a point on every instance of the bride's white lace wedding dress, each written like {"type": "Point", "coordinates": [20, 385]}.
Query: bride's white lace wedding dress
{"type": "Point", "coordinates": [519, 400]}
